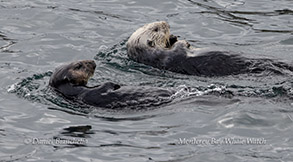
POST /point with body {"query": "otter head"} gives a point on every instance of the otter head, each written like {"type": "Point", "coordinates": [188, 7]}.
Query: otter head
{"type": "Point", "coordinates": [154, 35]}
{"type": "Point", "coordinates": [76, 73]}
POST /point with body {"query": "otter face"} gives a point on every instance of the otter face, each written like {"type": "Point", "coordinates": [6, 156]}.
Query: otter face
{"type": "Point", "coordinates": [77, 73]}
{"type": "Point", "coordinates": [154, 35]}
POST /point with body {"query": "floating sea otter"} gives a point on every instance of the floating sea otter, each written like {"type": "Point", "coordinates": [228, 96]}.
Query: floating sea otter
{"type": "Point", "coordinates": [70, 80]}
{"type": "Point", "coordinates": [153, 45]}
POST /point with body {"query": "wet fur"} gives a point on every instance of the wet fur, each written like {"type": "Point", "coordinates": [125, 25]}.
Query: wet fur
{"type": "Point", "coordinates": [177, 55]}
{"type": "Point", "coordinates": [70, 80]}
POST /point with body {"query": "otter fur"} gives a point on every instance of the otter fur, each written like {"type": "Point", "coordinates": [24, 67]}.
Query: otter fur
{"type": "Point", "coordinates": [153, 45]}
{"type": "Point", "coordinates": [71, 81]}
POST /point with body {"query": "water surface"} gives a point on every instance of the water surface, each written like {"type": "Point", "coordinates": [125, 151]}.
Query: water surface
{"type": "Point", "coordinates": [37, 36]}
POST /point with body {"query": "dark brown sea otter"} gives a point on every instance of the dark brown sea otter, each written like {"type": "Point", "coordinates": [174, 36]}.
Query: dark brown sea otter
{"type": "Point", "coordinates": [153, 45]}
{"type": "Point", "coordinates": [70, 80]}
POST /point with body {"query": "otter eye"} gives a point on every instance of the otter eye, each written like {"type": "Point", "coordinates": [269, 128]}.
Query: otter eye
{"type": "Point", "coordinates": [156, 29]}
{"type": "Point", "coordinates": [78, 66]}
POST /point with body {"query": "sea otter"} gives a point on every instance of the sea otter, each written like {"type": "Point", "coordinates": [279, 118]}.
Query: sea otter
{"type": "Point", "coordinates": [153, 45]}
{"type": "Point", "coordinates": [71, 81]}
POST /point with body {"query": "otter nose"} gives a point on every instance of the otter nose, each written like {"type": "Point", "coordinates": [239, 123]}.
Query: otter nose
{"type": "Point", "coordinates": [91, 63]}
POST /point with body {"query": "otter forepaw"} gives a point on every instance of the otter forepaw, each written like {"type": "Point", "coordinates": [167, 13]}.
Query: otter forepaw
{"type": "Point", "coordinates": [172, 40]}
{"type": "Point", "coordinates": [183, 42]}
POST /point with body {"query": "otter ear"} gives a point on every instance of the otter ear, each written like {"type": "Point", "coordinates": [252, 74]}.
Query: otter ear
{"type": "Point", "coordinates": [150, 43]}
{"type": "Point", "coordinates": [66, 78]}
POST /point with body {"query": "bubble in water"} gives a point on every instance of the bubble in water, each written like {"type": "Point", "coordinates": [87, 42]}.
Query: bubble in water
{"type": "Point", "coordinates": [183, 91]}
{"type": "Point", "coordinates": [12, 88]}
{"type": "Point", "coordinates": [103, 48]}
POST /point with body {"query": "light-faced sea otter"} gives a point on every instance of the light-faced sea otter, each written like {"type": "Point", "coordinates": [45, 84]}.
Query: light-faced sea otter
{"type": "Point", "coordinates": [70, 80]}
{"type": "Point", "coordinates": [153, 45]}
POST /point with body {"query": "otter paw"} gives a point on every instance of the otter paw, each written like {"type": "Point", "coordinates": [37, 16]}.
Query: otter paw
{"type": "Point", "coordinates": [183, 42]}
{"type": "Point", "coordinates": [172, 40]}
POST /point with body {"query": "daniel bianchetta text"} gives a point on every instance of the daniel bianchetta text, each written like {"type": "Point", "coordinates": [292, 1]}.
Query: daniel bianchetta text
{"type": "Point", "coordinates": [57, 141]}
{"type": "Point", "coordinates": [221, 141]}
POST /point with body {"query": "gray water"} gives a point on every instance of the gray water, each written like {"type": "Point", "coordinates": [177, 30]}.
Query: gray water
{"type": "Point", "coordinates": [235, 118]}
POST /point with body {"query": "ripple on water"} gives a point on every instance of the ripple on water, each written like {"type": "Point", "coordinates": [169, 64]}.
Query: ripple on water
{"type": "Point", "coordinates": [242, 119]}
{"type": "Point", "coordinates": [288, 41]}
{"type": "Point", "coordinates": [36, 36]}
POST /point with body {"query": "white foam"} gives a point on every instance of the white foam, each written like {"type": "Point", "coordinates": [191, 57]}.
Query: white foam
{"type": "Point", "coordinates": [12, 88]}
